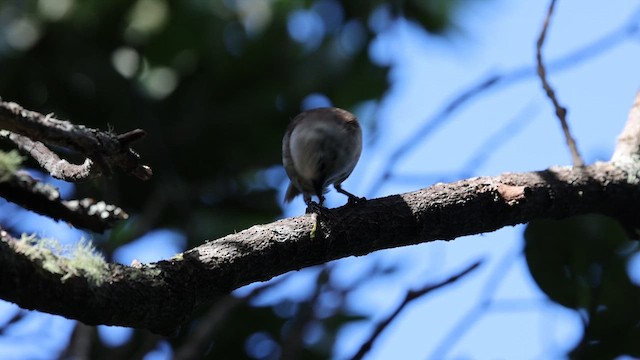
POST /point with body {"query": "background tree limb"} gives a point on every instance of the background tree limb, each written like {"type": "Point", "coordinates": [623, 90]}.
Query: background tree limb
{"type": "Point", "coordinates": [33, 132]}
{"type": "Point", "coordinates": [32, 194]}
{"type": "Point", "coordinates": [99, 147]}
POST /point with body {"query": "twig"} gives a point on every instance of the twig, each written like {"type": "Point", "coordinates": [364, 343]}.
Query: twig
{"type": "Point", "coordinates": [507, 132]}
{"type": "Point", "coordinates": [18, 316]}
{"type": "Point", "coordinates": [496, 276]}
{"type": "Point", "coordinates": [481, 155]}
{"type": "Point", "coordinates": [561, 112]}
{"type": "Point", "coordinates": [292, 338]}
{"type": "Point", "coordinates": [199, 339]}
{"type": "Point", "coordinates": [103, 150]}
{"type": "Point", "coordinates": [22, 189]}
{"type": "Point", "coordinates": [409, 297]}
{"type": "Point", "coordinates": [58, 168]}
{"type": "Point", "coordinates": [80, 343]}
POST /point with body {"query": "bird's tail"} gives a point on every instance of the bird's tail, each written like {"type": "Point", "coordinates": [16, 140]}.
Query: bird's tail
{"type": "Point", "coordinates": [292, 192]}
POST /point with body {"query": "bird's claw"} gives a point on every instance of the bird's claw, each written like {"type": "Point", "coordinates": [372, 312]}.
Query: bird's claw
{"type": "Point", "coordinates": [315, 208]}
{"type": "Point", "coordinates": [355, 200]}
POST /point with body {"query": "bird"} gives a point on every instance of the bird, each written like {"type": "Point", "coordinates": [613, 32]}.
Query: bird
{"type": "Point", "coordinates": [321, 147]}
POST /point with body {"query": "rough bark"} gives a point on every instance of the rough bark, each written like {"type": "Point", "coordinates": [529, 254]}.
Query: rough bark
{"type": "Point", "coordinates": [31, 130]}
{"type": "Point", "coordinates": [22, 189]}
{"type": "Point", "coordinates": [160, 296]}
{"type": "Point", "coordinates": [33, 133]}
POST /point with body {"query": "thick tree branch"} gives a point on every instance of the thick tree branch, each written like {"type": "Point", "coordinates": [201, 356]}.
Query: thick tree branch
{"type": "Point", "coordinates": [160, 296]}
{"type": "Point", "coordinates": [103, 150]}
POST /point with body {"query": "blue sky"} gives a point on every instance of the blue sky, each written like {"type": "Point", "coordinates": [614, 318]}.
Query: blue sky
{"type": "Point", "coordinates": [494, 37]}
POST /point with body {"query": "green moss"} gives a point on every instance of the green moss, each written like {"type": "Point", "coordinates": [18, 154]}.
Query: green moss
{"type": "Point", "coordinates": [313, 230]}
{"type": "Point", "coordinates": [9, 163]}
{"type": "Point", "coordinates": [79, 259]}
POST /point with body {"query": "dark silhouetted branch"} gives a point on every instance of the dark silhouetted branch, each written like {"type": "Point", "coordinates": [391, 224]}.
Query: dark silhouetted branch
{"type": "Point", "coordinates": [32, 194]}
{"type": "Point", "coordinates": [34, 134]}
{"type": "Point", "coordinates": [214, 319]}
{"type": "Point", "coordinates": [103, 150]}
{"type": "Point", "coordinates": [409, 297]}
{"type": "Point", "coordinates": [58, 168]}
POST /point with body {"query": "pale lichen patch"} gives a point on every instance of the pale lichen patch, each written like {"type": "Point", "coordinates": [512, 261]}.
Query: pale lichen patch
{"type": "Point", "coordinates": [73, 260]}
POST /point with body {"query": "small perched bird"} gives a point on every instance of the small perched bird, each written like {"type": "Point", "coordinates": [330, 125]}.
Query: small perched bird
{"type": "Point", "coordinates": [319, 148]}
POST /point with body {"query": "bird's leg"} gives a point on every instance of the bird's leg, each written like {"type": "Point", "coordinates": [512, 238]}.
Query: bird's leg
{"type": "Point", "coordinates": [353, 200]}
{"type": "Point", "coordinates": [315, 208]}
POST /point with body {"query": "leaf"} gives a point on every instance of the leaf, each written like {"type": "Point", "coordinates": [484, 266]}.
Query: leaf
{"type": "Point", "coordinates": [580, 262]}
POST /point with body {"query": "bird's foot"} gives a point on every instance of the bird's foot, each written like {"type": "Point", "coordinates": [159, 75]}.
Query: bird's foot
{"type": "Point", "coordinates": [315, 208]}
{"type": "Point", "coordinates": [355, 200]}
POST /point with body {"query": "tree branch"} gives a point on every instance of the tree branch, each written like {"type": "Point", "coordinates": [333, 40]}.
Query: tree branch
{"type": "Point", "coordinates": [628, 148]}
{"type": "Point", "coordinates": [561, 112]}
{"type": "Point", "coordinates": [214, 320]}
{"type": "Point", "coordinates": [103, 150]}
{"type": "Point", "coordinates": [408, 298]}
{"type": "Point", "coordinates": [32, 132]}
{"type": "Point", "coordinates": [160, 296]}
{"type": "Point", "coordinates": [627, 31]}
{"type": "Point", "coordinates": [20, 188]}
{"type": "Point", "coordinates": [58, 168]}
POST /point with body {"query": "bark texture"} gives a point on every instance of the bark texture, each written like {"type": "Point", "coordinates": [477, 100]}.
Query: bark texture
{"type": "Point", "coordinates": [160, 296]}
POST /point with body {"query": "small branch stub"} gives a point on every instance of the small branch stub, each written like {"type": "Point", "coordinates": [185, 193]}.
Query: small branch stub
{"type": "Point", "coordinates": [628, 148]}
